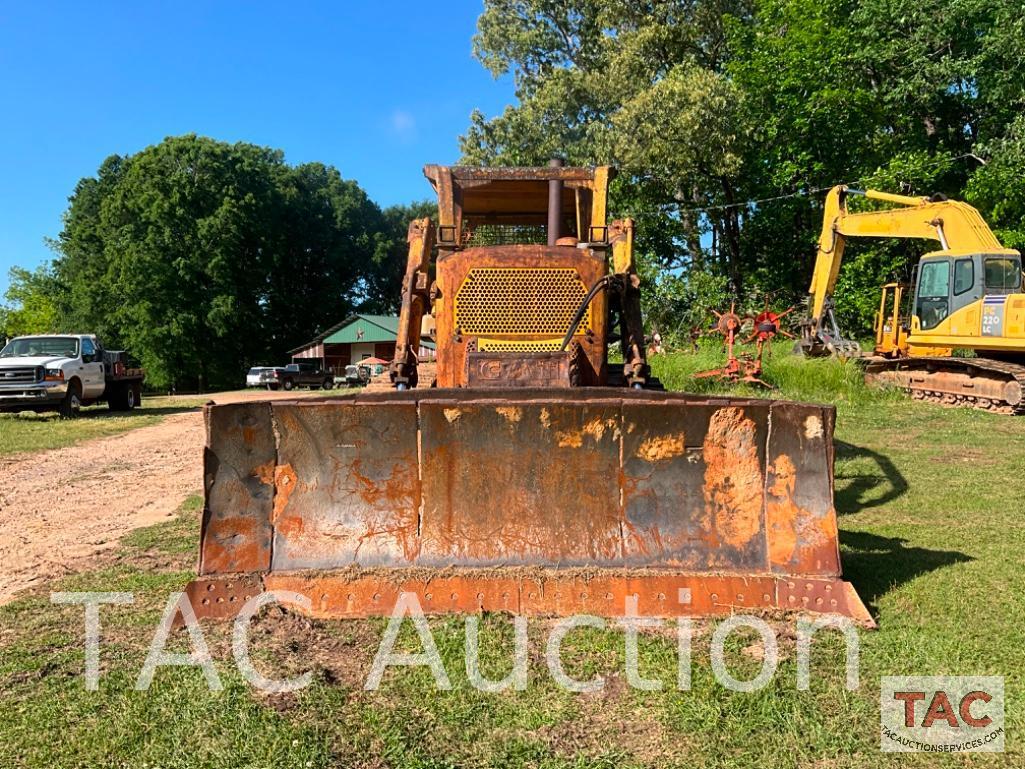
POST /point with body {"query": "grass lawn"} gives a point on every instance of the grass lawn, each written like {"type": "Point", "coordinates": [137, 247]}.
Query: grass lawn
{"type": "Point", "coordinates": [37, 432]}
{"type": "Point", "coordinates": [931, 505]}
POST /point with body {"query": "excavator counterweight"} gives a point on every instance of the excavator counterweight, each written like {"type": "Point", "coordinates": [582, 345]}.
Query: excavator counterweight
{"type": "Point", "coordinates": [536, 476]}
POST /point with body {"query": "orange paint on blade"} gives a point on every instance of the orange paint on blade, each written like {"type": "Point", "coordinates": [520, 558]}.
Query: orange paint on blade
{"type": "Point", "coordinates": [660, 447]}
{"type": "Point", "coordinates": [568, 440]}
{"type": "Point", "coordinates": [265, 472]}
{"type": "Point", "coordinates": [781, 512]}
{"type": "Point", "coordinates": [285, 481]}
{"type": "Point", "coordinates": [231, 544]}
{"type": "Point", "coordinates": [733, 477]}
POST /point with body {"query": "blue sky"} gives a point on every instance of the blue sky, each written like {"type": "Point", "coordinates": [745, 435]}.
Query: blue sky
{"type": "Point", "coordinates": [376, 89]}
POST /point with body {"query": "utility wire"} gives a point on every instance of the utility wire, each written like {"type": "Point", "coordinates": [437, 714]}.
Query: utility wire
{"type": "Point", "coordinates": [795, 194]}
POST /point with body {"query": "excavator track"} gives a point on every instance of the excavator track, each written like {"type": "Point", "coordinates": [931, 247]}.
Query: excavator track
{"type": "Point", "coordinates": [982, 383]}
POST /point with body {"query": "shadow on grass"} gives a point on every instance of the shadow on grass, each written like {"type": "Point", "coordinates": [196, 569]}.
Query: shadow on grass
{"type": "Point", "coordinates": [856, 491]}
{"type": "Point", "coordinates": [163, 410]}
{"type": "Point", "coordinates": [876, 565]}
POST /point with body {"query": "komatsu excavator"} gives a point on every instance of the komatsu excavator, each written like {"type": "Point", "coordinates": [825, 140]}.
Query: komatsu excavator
{"type": "Point", "coordinates": [533, 475]}
{"type": "Point", "coordinates": [967, 296]}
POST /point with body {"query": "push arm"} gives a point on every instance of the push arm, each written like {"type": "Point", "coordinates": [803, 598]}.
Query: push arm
{"type": "Point", "coordinates": [415, 303]}
{"type": "Point", "coordinates": [627, 283]}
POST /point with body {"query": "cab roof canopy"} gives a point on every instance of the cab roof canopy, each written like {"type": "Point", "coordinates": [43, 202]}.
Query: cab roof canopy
{"type": "Point", "coordinates": [470, 196]}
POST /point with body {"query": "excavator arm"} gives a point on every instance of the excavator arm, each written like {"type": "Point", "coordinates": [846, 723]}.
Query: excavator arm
{"type": "Point", "coordinates": [957, 226]}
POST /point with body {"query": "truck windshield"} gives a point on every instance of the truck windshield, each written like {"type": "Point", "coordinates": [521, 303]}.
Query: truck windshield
{"type": "Point", "coordinates": [41, 346]}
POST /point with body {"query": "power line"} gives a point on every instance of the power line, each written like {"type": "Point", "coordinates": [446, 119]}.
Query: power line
{"type": "Point", "coordinates": [795, 194]}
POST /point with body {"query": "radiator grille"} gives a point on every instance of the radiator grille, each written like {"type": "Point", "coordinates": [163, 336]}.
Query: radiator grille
{"type": "Point", "coordinates": [20, 375]}
{"type": "Point", "coordinates": [520, 300]}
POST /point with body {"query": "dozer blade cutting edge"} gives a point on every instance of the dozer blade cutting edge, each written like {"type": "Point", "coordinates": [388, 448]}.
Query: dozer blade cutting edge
{"type": "Point", "coordinates": [521, 501]}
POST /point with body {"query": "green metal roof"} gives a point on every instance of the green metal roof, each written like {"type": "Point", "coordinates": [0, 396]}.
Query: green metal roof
{"type": "Point", "coordinates": [358, 329]}
{"type": "Point", "coordinates": [366, 328]}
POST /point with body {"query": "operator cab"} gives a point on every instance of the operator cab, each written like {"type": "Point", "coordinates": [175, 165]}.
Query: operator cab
{"type": "Point", "coordinates": [946, 283]}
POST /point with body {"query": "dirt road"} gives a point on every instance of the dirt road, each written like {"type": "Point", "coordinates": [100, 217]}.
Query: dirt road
{"type": "Point", "coordinates": [59, 508]}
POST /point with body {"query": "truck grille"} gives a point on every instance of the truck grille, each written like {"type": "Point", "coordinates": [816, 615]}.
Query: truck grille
{"type": "Point", "coordinates": [20, 375]}
{"type": "Point", "coordinates": [520, 300]}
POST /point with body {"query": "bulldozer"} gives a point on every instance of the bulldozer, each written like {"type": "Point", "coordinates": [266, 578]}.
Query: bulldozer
{"type": "Point", "coordinates": [966, 296]}
{"type": "Point", "coordinates": [533, 472]}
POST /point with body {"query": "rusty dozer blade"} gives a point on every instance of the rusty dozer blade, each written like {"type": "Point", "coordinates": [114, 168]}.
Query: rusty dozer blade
{"type": "Point", "coordinates": [529, 502]}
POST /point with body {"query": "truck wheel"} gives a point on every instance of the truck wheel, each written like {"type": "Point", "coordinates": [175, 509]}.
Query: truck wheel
{"type": "Point", "coordinates": [124, 396]}
{"type": "Point", "coordinates": [115, 398]}
{"type": "Point", "coordinates": [329, 384]}
{"type": "Point", "coordinates": [289, 384]}
{"type": "Point", "coordinates": [72, 402]}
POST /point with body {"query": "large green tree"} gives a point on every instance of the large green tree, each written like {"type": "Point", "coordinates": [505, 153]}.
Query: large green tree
{"type": "Point", "coordinates": [204, 257]}
{"type": "Point", "coordinates": [31, 303]}
{"type": "Point", "coordinates": [707, 105]}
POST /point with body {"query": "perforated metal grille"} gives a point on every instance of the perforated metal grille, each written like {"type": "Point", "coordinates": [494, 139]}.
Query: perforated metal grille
{"type": "Point", "coordinates": [528, 345]}
{"type": "Point", "coordinates": [512, 300]}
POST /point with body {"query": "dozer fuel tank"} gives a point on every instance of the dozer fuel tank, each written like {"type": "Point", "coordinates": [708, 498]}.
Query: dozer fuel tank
{"type": "Point", "coordinates": [537, 502]}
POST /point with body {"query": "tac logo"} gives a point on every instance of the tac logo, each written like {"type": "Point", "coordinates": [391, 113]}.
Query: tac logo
{"type": "Point", "coordinates": [948, 714]}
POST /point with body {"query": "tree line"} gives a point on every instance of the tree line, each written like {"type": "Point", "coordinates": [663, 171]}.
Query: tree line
{"type": "Point", "coordinates": [203, 258]}
{"type": "Point", "coordinates": [728, 120]}
{"type": "Point", "coordinates": [729, 117]}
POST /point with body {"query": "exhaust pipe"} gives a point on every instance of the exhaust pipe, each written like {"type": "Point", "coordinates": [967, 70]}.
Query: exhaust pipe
{"type": "Point", "coordinates": [554, 203]}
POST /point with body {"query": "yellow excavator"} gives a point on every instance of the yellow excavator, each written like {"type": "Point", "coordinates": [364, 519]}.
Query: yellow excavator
{"type": "Point", "coordinates": [965, 296]}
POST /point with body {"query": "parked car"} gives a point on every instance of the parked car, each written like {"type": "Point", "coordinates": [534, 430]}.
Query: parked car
{"type": "Point", "coordinates": [63, 372]}
{"type": "Point", "coordinates": [357, 375]}
{"type": "Point", "coordinates": [254, 376]}
{"type": "Point", "coordinates": [297, 375]}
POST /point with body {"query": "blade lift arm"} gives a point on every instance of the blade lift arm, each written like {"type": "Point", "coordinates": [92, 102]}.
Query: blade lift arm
{"type": "Point", "coordinates": [416, 303]}
{"type": "Point", "coordinates": [628, 285]}
{"type": "Point", "coordinates": [624, 282]}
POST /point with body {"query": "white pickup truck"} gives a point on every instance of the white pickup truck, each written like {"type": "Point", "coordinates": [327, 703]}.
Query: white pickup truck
{"type": "Point", "coordinates": [63, 372]}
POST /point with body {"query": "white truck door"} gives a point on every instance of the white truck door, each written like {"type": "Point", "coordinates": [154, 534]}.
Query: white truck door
{"type": "Point", "coordinates": [93, 379]}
